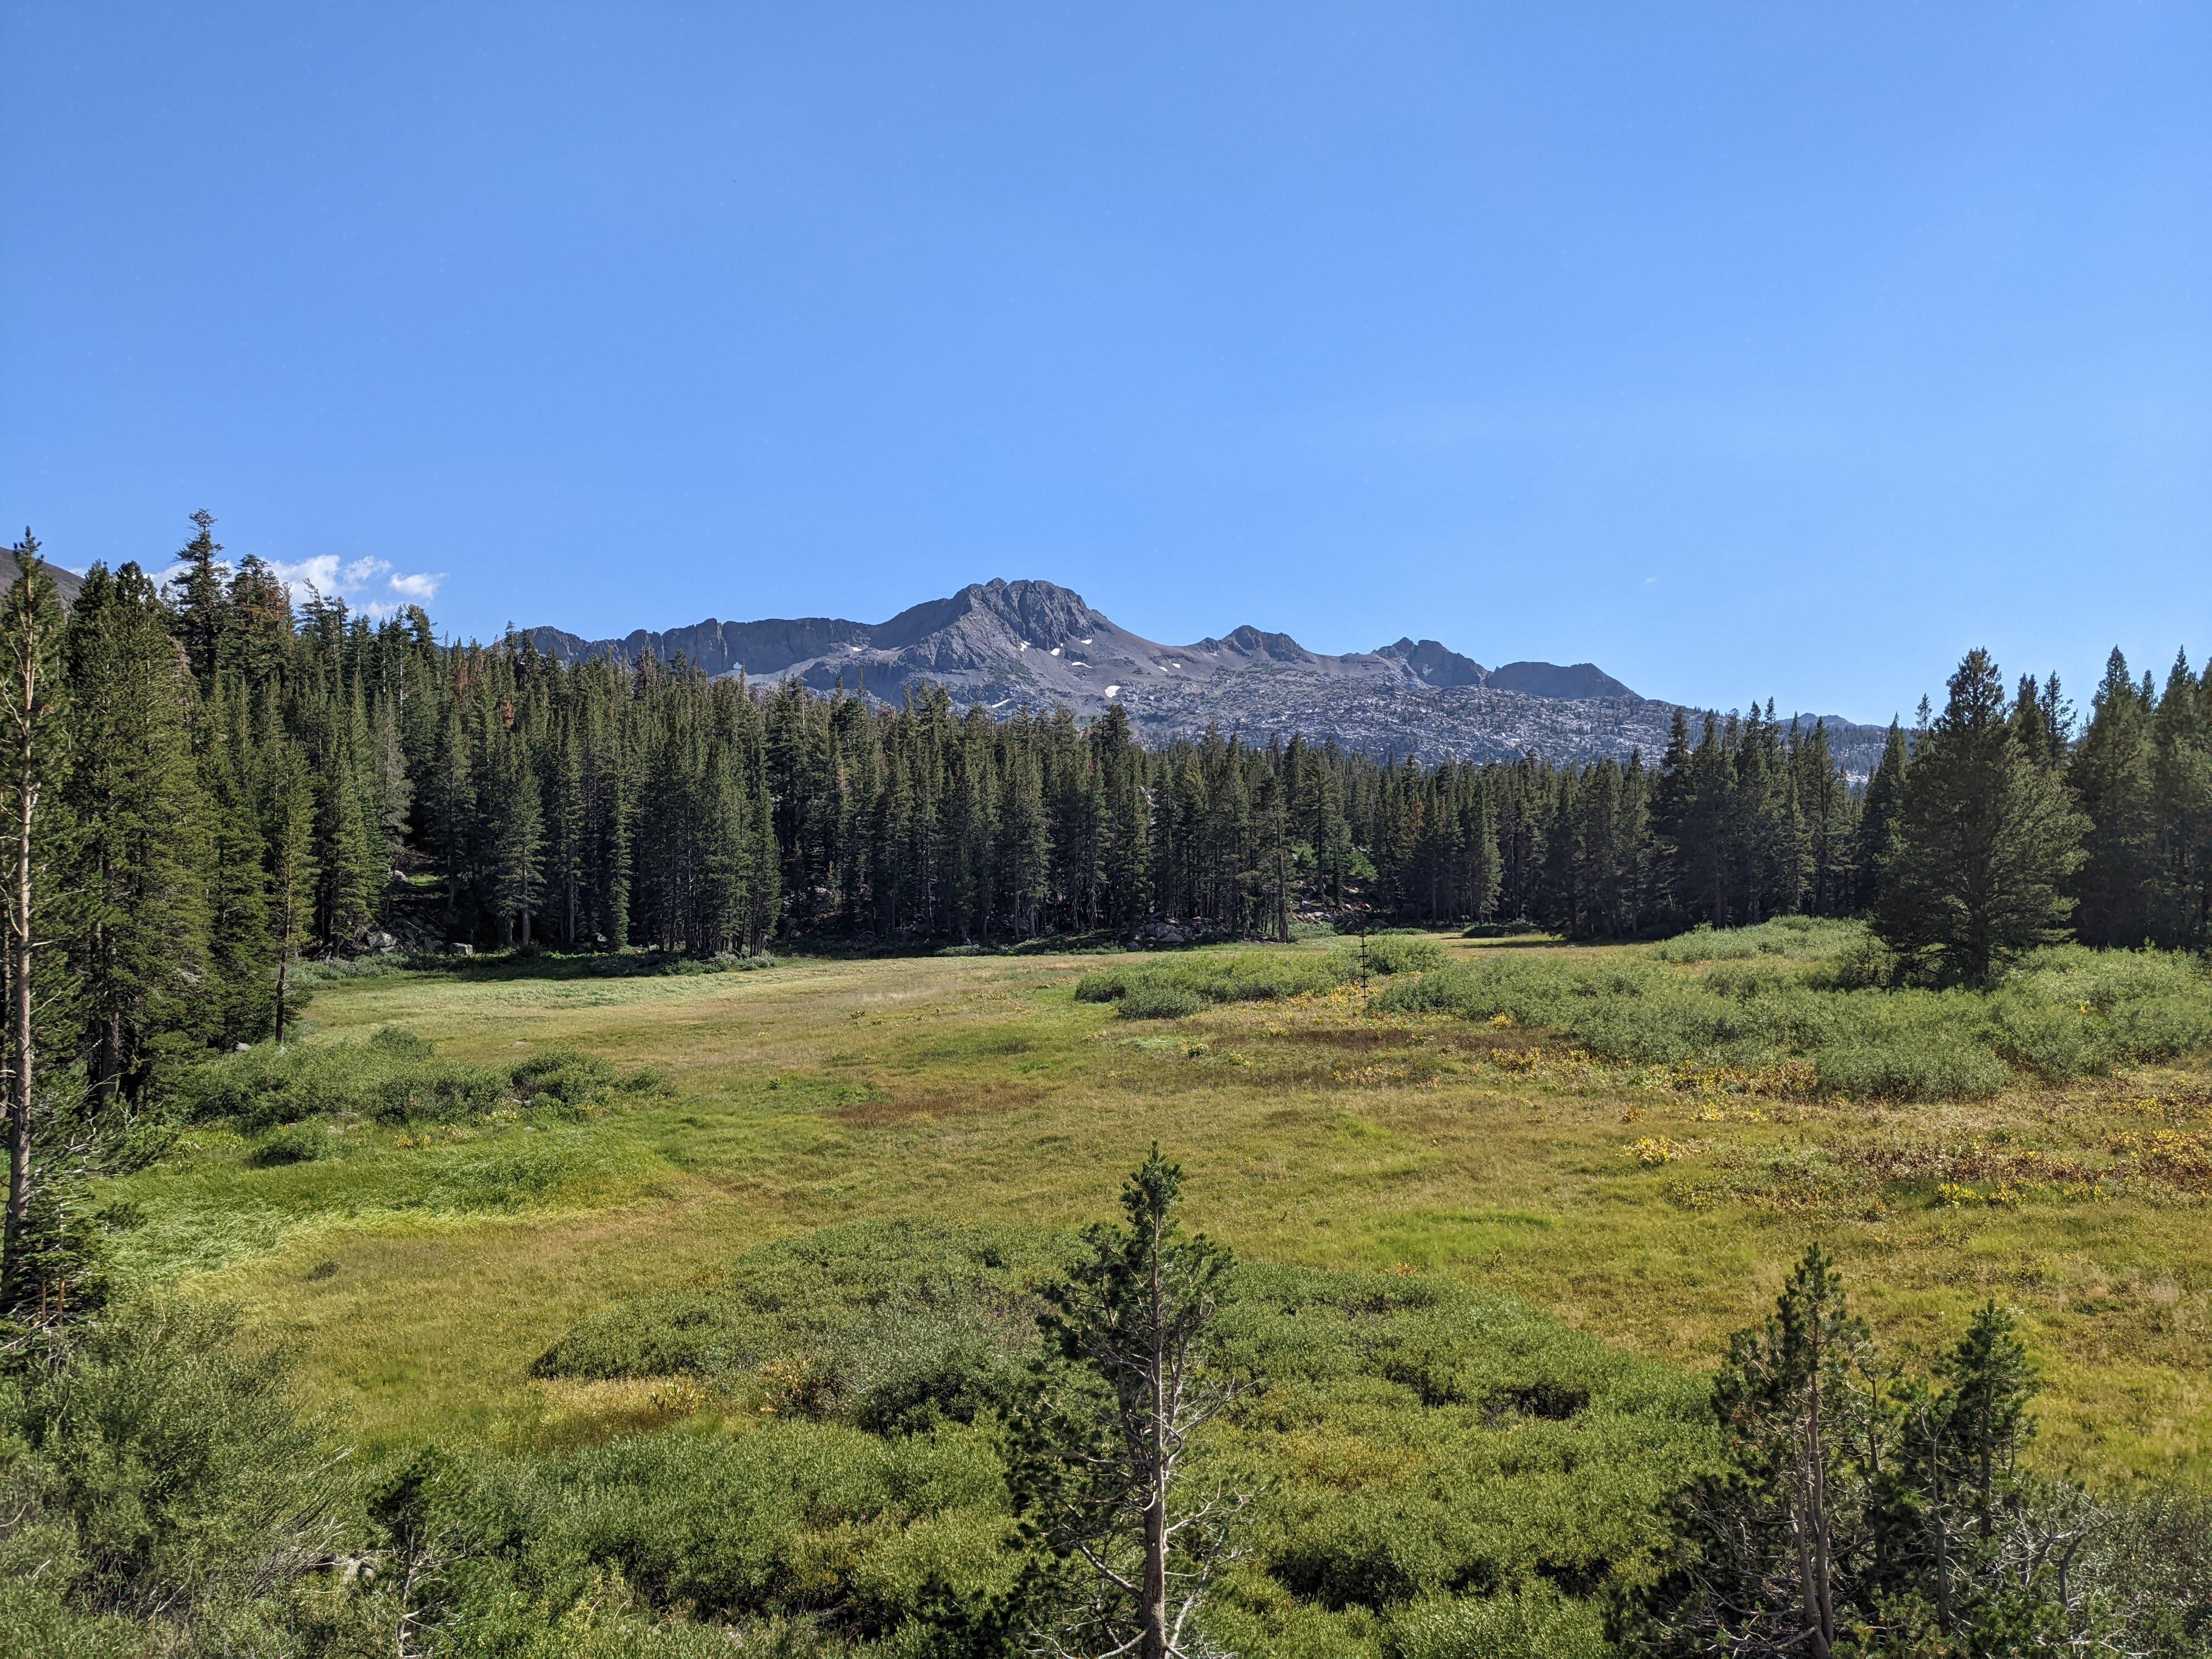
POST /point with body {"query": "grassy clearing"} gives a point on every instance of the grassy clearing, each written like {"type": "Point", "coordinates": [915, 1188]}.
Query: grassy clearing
{"type": "Point", "coordinates": [1653, 1204]}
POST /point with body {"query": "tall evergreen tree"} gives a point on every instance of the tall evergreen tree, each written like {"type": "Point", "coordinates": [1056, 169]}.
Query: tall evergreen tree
{"type": "Point", "coordinates": [1102, 1446]}
{"type": "Point", "coordinates": [288, 817]}
{"type": "Point", "coordinates": [2110, 775]}
{"type": "Point", "coordinates": [240, 1000]}
{"type": "Point", "coordinates": [137, 866]}
{"type": "Point", "coordinates": [201, 603]}
{"type": "Point", "coordinates": [2181, 784]}
{"type": "Point", "coordinates": [1885, 798]}
{"type": "Point", "coordinates": [349, 865]}
{"type": "Point", "coordinates": [1862, 1511]}
{"type": "Point", "coordinates": [34, 841]}
{"type": "Point", "coordinates": [1985, 842]}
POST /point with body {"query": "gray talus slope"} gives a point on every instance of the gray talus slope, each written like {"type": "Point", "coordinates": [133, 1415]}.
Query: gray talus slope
{"type": "Point", "coordinates": [1036, 645]}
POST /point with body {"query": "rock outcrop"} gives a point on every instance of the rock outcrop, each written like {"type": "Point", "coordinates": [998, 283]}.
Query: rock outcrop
{"type": "Point", "coordinates": [1033, 644]}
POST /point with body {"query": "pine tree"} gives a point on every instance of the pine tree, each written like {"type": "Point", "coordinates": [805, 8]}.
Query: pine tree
{"type": "Point", "coordinates": [288, 817]}
{"type": "Point", "coordinates": [33, 757]}
{"type": "Point", "coordinates": [517, 846]}
{"type": "Point", "coordinates": [1885, 796]}
{"type": "Point", "coordinates": [200, 603]}
{"type": "Point", "coordinates": [393, 790]}
{"type": "Point", "coordinates": [2181, 787]}
{"type": "Point", "coordinates": [138, 863]}
{"type": "Point", "coordinates": [729, 861]}
{"type": "Point", "coordinates": [1831, 822]}
{"type": "Point", "coordinates": [258, 641]}
{"type": "Point", "coordinates": [764, 890]}
{"type": "Point", "coordinates": [2041, 721]}
{"type": "Point", "coordinates": [452, 806]}
{"type": "Point", "coordinates": [1862, 1510]}
{"type": "Point", "coordinates": [562, 787]}
{"type": "Point", "coordinates": [1985, 843]}
{"type": "Point", "coordinates": [2111, 777]}
{"type": "Point", "coordinates": [240, 1000]}
{"type": "Point", "coordinates": [348, 867]}
{"type": "Point", "coordinates": [1101, 1447]}
{"type": "Point", "coordinates": [1023, 853]}
{"type": "Point", "coordinates": [1126, 831]}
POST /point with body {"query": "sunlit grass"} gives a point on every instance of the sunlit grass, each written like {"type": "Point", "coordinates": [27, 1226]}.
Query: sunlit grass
{"type": "Point", "coordinates": [422, 1280]}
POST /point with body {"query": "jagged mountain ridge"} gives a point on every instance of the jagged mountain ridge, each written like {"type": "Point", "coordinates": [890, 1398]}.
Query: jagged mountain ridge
{"type": "Point", "coordinates": [1034, 644]}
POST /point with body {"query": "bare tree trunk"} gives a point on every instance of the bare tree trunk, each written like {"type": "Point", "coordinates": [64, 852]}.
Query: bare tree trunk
{"type": "Point", "coordinates": [1154, 1642]}
{"type": "Point", "coordinates": [21, 1044]}
{"type": "Point", "coordinates": [284, 964]}
{"type": "Point", "coordinates": [1813, 1539]}
{"type": "Point", "coordinates": [1282, 886]}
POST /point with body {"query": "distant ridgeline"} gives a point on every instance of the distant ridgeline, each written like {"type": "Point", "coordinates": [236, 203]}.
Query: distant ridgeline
{"type": "Point", "coordinates": [1005, 646]}
{"type": "Point", "coordinates": [299, 760]}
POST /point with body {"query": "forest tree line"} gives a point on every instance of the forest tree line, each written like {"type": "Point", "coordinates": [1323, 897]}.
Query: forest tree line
{"type": "Point", "coordinates": [225, 781]}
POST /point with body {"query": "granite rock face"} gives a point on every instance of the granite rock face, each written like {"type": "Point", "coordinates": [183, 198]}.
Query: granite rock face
{"type": "Point", "coordinates": [1035, 645]}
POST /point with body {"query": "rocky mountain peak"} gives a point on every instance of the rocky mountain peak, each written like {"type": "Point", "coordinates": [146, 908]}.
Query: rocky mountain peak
{"type": "Point", "coordinates": [1040, 613]}
{"type": "Point", "coordinates": [1435, 665]}
{"type": "Point", "coordinates": [1011, 644]}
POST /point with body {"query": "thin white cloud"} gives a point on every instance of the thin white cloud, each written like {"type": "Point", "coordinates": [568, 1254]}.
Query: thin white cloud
{"type": "Point", "coordinates": [420, 588]}
{"type": "Point", "coordinates": [307, 576]}
{"type": "Point", "coordinates": [354, 582]}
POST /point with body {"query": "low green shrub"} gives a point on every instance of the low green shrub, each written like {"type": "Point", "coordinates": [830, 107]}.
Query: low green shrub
{"type": "Point", "coordinates": [562, 1077]}
{"type": "Point", "coordinates": [1795, 938]}
{"type": "Point", "coordinates": [1533, 1622]}
{"type": "Point", "coordinates": [2069, 1012]}
{"type": "Point", "coordinates": [313, 973]}
{"type": "Point", "coordinates": [1909, 1059]}
{"type": "Point", "coordinates": [647, 964]}
{"type": "Point", "coordinates": [526, 1170]}
{"type": "Point", "coordinates": [393, 1077]}
{"type": "Point", "coordinates": [159, 1494]}
{"type": "Point", "coordinates": [1391, 953]}
{"type": "Point", "coordinates": [781, 1520]}
{"type": "Point", "coordinates": [701, 1333]}
{"type": "Point", "coordinates": [1185, 985]}
{"type": "Point", "coordinates": [893, 1327]}
{"type": "Point", "coordinates": [2075, 1012]}
{"type": "Point", "coordinates": [1425, 1456]}
{"type": "Point", "coordinates": [294, 1143]}
{"type": "Point", "coordinates": [1160, 1002]}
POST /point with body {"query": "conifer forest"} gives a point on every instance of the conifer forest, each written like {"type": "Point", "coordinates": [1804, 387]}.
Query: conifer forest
{"type": "Point", "coordinates": [307, 768]}
{"type": "Point", "coordinates": [1698, 1203]}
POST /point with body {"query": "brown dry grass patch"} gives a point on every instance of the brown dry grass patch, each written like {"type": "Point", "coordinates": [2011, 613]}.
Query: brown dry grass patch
{"type": "Point", "coordinates": [896, 1102]}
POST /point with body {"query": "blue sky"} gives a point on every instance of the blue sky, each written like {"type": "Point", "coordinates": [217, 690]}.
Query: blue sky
{"type": "Point", "coordinates": [1743, 350]}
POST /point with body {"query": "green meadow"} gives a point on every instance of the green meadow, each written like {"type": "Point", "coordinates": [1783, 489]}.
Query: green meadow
{"type": "Point", "coordinates": [460, 1167]}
